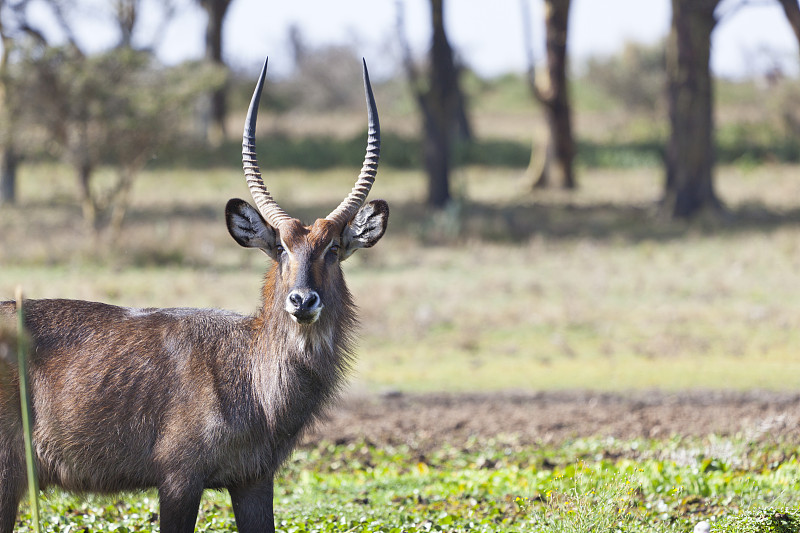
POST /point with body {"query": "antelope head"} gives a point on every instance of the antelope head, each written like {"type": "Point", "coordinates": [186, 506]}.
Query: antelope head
{"type": "Point", "coordinates": [307, 275]}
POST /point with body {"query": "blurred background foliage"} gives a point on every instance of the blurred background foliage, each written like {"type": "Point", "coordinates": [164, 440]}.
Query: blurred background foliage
{"type": "Point", "coordinates": [120, 175]}
{"type": "Point", "coordinates": [121, 109]}
{"type": "Point", "coordinates": [116, 167]}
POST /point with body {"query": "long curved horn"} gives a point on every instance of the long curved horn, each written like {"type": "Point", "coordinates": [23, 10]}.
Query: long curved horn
{"type": "Point", "coordinates": [268, 207]}
{"type": "Point", "coordinates": [350, 205]}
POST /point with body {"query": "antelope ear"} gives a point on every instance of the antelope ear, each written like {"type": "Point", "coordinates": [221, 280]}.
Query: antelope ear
{"type": "Point", "coordinates": [249, 229]}
{"type": "Point", "coordinates": [366, 228]}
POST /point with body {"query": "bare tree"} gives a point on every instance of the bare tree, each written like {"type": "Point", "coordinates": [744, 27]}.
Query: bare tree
{"type": "Point", "coordinates": [689, 186]}
{"type": "Point", "coordinates": [441, 103]}
{"type": "Point", "coordinates": [115, 108]}
{"type": "Point", "coordinates": [9, 156]}
{"type": "Point", "coordinates": [553, 96]}
{"type": "Point", "coordinates": [215, 11]}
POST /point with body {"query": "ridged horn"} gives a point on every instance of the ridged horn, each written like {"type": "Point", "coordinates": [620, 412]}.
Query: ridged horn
{"type": "Point", "coordinates": [350, 205]}
{"type": "Point", "coordinates": [268, 207]}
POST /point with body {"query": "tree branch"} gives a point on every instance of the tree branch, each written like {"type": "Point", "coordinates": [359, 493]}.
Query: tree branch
{"type": "Point", "coordinates": [792, 10]}
{"type": "Point", "coordinates": [161, 30]}
{"type": "Point", "coordinates": [405, 50]}
{"type": "Point", "coordinates": [735, 6]}
{"type": "Point", "coordinates": [58, 11]}
{"type": "Point", "coordinates": [527, 35]}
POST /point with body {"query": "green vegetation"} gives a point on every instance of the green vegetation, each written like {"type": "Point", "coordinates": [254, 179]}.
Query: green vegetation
{"type": "Point", "coordinates": [736, 143]}
{"type": "Point", "coordinates": [601, 485]}
{"type": "Point", "coordinates": [508, 289]}
{"type": "Point", "coordinates": [619, 111]}
{"type": "Point", "coordinates": [505, 289]}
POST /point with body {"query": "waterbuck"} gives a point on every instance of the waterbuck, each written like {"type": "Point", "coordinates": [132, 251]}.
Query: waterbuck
{"type": "Point", "coordinates": [191, 399]}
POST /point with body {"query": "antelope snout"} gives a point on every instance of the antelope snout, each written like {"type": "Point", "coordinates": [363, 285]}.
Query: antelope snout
{"type": "Point", "coordinates": [304, 305]}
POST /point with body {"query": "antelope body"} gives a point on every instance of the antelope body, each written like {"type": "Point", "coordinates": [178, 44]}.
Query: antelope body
{"type": "Point", "coordinates": [185, 399]}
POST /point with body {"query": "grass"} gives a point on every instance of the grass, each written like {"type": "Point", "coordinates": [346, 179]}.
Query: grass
{"type": "Point", "coordinates": [507, 289]}
{"type": "Point", "coordinates": [601, 485]}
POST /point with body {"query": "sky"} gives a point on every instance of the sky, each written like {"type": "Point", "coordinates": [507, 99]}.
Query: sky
{"type": "Point", "coordinates": [487, 34]}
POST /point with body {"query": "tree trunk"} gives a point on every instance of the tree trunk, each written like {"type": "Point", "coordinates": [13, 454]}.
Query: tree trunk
{"type": "Point", "coordinates": [792, 10]}
{"type": "Point", "coordinates": [9, 156]}
{"type": "Point", "coordinates": [689, 184]}
{"type": "Point", "coordinates": [440, 104]}
{"type": "Point", "coordinates": [89, 205]}
{"type": "Point", "coordinates": [121, 201]}
{"type": "Point", "coordinates": [558, 166]}
{"type": "Point", "coordinates": [126, 14]}
{"type": "Point", "coordinates": [462, 122]}
{"type": "Point", "coordinates": [8, 176]}
{"type": "Point", "coordinates": [560, 157]}
{"type": "Point", "coordinates": [216, 9]}
{"type": "Point", "coordinates": [436, 153]}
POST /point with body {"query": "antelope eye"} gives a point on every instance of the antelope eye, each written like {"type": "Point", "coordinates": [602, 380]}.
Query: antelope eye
{"type": "Point", "coordinates": [279, 249]}
{"type": "Point", "coordinates": [334, 249]}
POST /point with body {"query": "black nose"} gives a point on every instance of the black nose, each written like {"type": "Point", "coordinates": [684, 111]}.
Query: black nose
{"type": "Point", "coordinates": [304, 305]}
{"type": "Point", "coordinates": [304, 300]}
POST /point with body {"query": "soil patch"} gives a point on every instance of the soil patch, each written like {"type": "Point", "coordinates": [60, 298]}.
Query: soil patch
{"type": "Point", "coordinates": [552, 417]}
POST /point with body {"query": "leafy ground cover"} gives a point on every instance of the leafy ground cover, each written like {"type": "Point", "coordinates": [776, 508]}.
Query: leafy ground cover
{"type": "Point", "coordinates": [498, 485]}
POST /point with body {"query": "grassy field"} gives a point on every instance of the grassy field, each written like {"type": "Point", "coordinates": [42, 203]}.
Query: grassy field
{"type": "Point", "coordinates": [584, 485]}
{"type": "Point", "coordinates": [506, 289]}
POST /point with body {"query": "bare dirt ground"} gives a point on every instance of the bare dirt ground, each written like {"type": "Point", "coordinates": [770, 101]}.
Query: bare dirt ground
{"type": "Point", "coordinates": [552, 417]}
